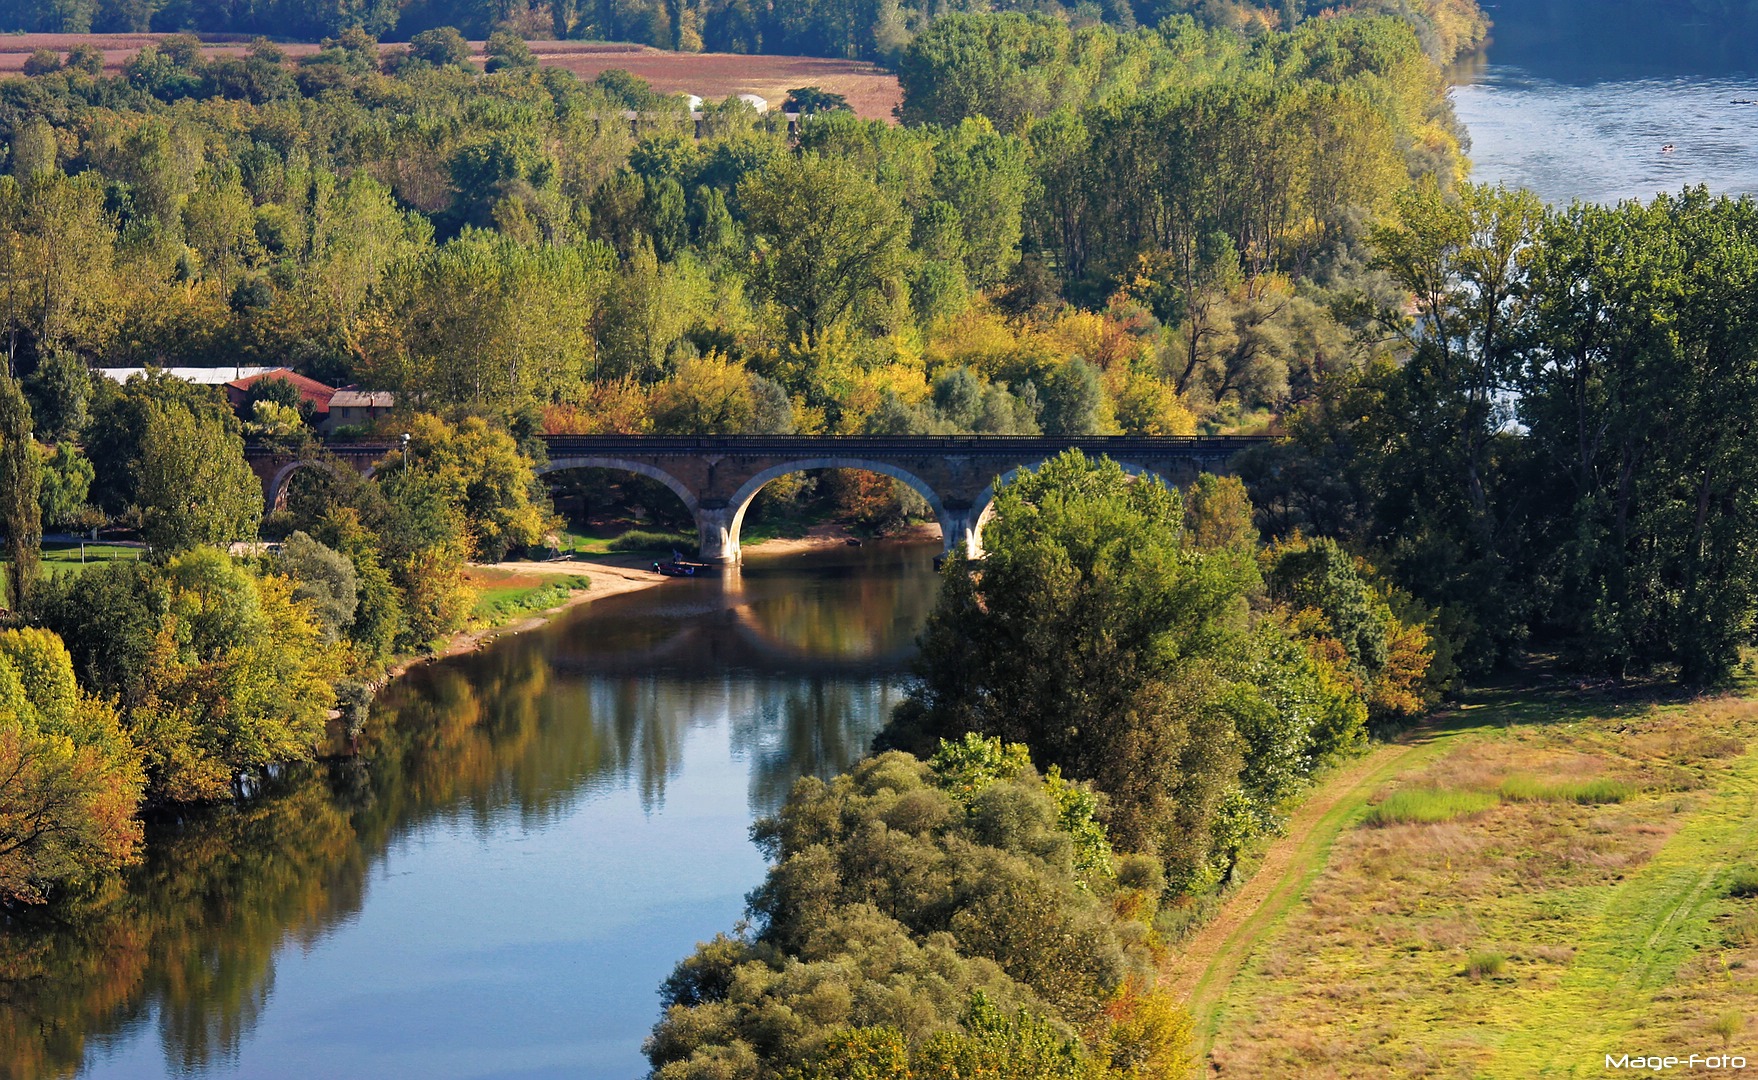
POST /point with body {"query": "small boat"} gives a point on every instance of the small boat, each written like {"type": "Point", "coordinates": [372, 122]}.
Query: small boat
{"type": "Point", "coordinates": [1668, 148]}
{"type": "Point", "coordinates": [678, 568]}
{"type": "Point", "coordinates": [853, 541]}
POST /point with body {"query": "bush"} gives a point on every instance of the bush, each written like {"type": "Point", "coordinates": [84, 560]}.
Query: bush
{"type": "Point", "coordinates": [1484, 965]}
{"type": "Point", "coordinates": [1742, 882]}
{"type": "Point", "coordinates": [1427, 806]}
{"type": "Point", "coordinates": [642, 540]}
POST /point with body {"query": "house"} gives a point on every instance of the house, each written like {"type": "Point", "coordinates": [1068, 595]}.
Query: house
{"type": "Point", "coordinates": [204, 376]}
{"type": "Point", "coordinates": [357, 408]}
{"type": "Point", "coordinates": [311, 392]}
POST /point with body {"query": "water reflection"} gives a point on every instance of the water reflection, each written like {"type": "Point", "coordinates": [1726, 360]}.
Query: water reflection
{"type": "Point", "coordinates": [555, 818]}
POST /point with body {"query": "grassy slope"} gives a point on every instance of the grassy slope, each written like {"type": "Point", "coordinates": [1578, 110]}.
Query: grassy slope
{"type": "Point", "coordinates": [1351, 960]}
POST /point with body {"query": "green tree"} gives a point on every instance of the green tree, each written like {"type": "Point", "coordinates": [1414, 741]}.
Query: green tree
{"type": "Point", "coordinates": [507, 51]}
{"type": "Point", "coordinates": [324, 579]}
{"type": "Point", "coordinates": [21, 512]}
{"type": "Point", "coordinates": [442, 47]}
{"type": "Point", "coordinates": [66, 484]}
{"type": "Point", "coordinates": [192, 483]}
{"type": "Point", "coordinates": [58, 392]}
{"type": "Point", "coordinates": [1099, 637]}
{"type": "Point", "coordinates": [830, 241]}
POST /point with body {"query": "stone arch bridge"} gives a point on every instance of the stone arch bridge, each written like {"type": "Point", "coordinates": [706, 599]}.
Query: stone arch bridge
{"type": "Point", "coordinates": [717, 476]}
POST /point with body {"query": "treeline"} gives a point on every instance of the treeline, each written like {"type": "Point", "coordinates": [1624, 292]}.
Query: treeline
{"type": "Point", "coordinates": [963, 915]}
{"type": "Point", "coordinates": [856, 29]}
{"type": "Point", "coordinates": [1562, 464]}
{"type": "Point", "coordinates": [1138, 232]}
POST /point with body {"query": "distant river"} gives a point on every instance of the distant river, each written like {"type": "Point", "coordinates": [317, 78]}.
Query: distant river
{"type": "Point", "coordinates": [1577, 104]}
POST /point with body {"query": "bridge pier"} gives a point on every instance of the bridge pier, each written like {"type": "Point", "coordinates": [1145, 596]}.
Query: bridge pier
{"type": "Point", "coordinates": [960, 531]}
{"type": "Point", "coordinates": [717, 542]}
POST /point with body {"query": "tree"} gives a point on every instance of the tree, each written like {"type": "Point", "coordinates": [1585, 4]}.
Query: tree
{"type": "Point", "coordinates": [238, 679]}
{"type": "Point", "coordinates": [831, 241]}
{"type": "Point", "coordinates": [706, 396]}
{"type": "Point", "coordinates": [70, 779]}
{"type": "Point", "coordinates": [323, 579]}
{"type": "Point", "coordinates": [812, 99]}
{"type": "Point", "coordinates": [484, 477]}
{"type": "Point", "coordinates": [42, 62]}
{"type": "Point", "coordinates": [66, 483]}
{"type": "Point", "coordinates": [1097, 636]}
{"type": "Point", "coordinates": [192, 483]}
{"type": "Point", "coordinates": [507, 51]}
{"type": "Point", "coordinates": [1074, 400]}
{"type": "Point", "coordinates": [21, 512]}
{"type": "Point", "coordinates": [441, 47]}
{"type": "Point", "coordinates": [1638, 362]}
{"type": "Point", "coordinates": [58, 392]}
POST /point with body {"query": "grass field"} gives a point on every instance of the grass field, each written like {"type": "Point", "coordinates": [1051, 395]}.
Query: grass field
{"type": "Point", "coordinates": [1533, 882]}
{"type": "Point", "coordinates": [506, 594]}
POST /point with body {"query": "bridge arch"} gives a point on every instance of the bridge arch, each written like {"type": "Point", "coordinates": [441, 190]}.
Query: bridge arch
{"type": "Point", "coordinates": [654, 472]}
{"type": "Point", "coordinates": [720, 537]}
{"type": "Point", "coordinates": [275, 493]}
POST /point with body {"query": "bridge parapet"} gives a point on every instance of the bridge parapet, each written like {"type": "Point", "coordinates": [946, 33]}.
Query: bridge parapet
{"type": "Point", "coordinates": [717, 476]}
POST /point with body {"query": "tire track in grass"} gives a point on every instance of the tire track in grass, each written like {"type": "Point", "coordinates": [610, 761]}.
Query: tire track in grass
{"type": "Point", "coordinates": [1653, 924]}
{"type": "Point", "coordinates": [1206, 964]}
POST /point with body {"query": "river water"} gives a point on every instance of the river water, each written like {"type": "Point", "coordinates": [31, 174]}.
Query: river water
{"type": "Point", "coordinates": [1576, 99]}
{"type": "Point", "coordinates": [530, 839]}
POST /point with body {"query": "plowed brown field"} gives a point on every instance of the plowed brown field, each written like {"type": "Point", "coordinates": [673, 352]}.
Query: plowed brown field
{"type": "Point", "coordinates": [871, 90]}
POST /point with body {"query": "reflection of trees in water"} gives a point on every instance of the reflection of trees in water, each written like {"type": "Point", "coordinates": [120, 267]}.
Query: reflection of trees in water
{"type": "Point", "coordinates": [186, 942]}
{"type": "Point", "coordinates": [810, 727]}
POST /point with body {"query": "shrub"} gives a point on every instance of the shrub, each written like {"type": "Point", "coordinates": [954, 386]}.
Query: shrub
{"type": "Point", "coordinates": [1484, 965]}
{"type": "Point", "coordinates": [1728, 1024]}
{"type": "Point", "coordinates": [1426, 806]}
{"type": "Point", "coordinates": [642, 540]}
{"type": "Point", "coordinates": [1742, 882]}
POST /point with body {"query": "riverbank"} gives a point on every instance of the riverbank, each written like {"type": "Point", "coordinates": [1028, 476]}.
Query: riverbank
{"type": "Point", "coordinates": [626, 572]}
{"type": "Point", "coordinates": [836, 535]}
{"type": "Point", "coordinates": [607, 579]}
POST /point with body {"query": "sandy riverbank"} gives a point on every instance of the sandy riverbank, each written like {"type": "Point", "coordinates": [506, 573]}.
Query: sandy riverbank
{"type": "Point", "coordinates": [823, 536]}
{"type": "Point", "coordinates": [607, 580]}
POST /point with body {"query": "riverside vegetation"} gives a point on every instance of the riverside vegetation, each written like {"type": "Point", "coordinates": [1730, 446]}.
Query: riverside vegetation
{"type": "Point", "coordinates": [512, 255]}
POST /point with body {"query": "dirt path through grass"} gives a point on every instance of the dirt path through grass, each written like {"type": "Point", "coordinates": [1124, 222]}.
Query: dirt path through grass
{"type": "Point", "coordinates": [1205, 965]}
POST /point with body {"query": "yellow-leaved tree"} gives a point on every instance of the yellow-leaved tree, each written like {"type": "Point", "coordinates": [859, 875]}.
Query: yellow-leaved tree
{"type": "Point", "coordinates": [70, 778]}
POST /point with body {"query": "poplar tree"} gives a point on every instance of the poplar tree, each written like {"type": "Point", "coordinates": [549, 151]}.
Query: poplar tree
{"type": "Point", "coordinates": [20, 480]}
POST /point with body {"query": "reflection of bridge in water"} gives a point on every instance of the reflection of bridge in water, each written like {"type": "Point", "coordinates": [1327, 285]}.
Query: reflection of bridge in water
{"type": "Point", "coordinates": [718, 476]}
{"type": "Point", "coordinates": [711, 643]}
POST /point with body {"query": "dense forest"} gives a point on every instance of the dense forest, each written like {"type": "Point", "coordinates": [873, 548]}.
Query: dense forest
{"type": "Point", "coordinates": [858, 30]}
{"type": "Point", "coordinates": [1133, 231]}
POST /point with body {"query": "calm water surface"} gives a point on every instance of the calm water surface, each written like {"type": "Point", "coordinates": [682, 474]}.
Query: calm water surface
{"type": "Point", "coordinates": [1577, 104]}
{"type": "Point", "coordinates": [532, 837]}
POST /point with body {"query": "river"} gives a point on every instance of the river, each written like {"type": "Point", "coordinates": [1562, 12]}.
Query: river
{"type": "Point", "coordinates": [1576, 99]}
{"type": "Point", "coordinates": [531, 838]}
